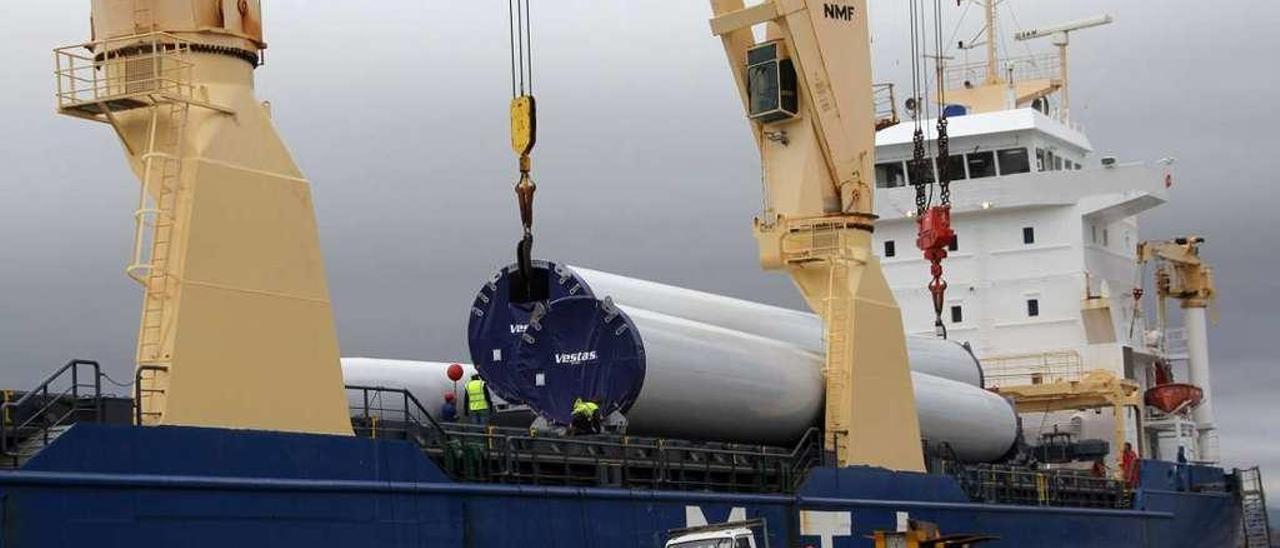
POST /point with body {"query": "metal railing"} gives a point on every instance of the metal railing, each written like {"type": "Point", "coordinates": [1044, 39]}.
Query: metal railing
{"type": "Point", "coordinates": [1253, 508]}
{"type": "Point", "coordinates": [51, 404]}
{"type": "Point", "coordinates": [1002, 484]}
{"type": "Point", "coordinates": [1020, 69]}
{"type": "Point", "coordinates": [140, 67]}
{"type": "Point", "coordinates": [391, 412]}
{"type": "Point", "coordinates": [886, 105]}
{"type": "Point", "coordinates": [489, 454]}
{"type": "Point", "coordinates": [1033, 368]}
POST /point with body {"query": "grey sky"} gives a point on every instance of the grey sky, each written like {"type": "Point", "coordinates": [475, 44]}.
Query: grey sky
{"type": "Point", "coordinates": [396, 110]}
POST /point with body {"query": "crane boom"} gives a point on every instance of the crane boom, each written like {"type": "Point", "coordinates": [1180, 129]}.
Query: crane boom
{"type": "Point", "coordinates": [807, 91]}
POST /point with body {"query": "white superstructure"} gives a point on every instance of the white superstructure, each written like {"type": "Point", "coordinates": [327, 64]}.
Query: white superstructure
{"type": "Point", "coordinates": [1043, 268]}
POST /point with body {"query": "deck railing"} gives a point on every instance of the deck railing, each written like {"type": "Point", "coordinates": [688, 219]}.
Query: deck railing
{"type": "Point", "coordinates": [1021, 69]}
{"type": "Point", "coordinates": [138, 68]}
{"type": "Point", "coordinates": [1032, 368]}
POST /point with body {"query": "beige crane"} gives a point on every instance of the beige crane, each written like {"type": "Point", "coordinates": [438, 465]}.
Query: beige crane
{"type": "Point", "coordinates": [807, 90]}
{"type": "Point", "coordinates": [1182, 274]}
{"type": "Point", "coordinates": [237, 329]}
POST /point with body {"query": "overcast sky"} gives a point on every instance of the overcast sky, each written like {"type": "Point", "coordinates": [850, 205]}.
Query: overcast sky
{"type": "Point", "coordinates": [396, 110]}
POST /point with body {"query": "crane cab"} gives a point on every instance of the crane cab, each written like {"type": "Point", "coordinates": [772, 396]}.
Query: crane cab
{"type": "Point", "coordinates": [771, 84]}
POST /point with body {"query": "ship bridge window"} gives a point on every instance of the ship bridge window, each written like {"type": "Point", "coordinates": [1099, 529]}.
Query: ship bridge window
{"type": "Point", "coordinates": [1014, 160]}
{"type": "Point", "coordinates": [955, 167]}
{"type": "Point", "coordinates": [1040, 159]}
{"type": "Point", "coordinates": [890, 175]}
{"type": "Point", "coordinates": [1057, 164]}
{"type": "Point", "coordinates": [926, 175]}
{"type": "Point", "coordinates": [981, 164]}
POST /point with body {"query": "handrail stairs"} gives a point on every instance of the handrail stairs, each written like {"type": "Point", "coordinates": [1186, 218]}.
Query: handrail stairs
{"type": "Point", "coordinates": [41, 414]}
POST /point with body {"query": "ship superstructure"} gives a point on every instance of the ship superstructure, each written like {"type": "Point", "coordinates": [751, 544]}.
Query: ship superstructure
{"type": "Point", "coordinates": [1044, 267]}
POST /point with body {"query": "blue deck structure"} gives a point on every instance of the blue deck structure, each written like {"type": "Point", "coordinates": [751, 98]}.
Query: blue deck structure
{"type": "Point", "coordinates": [105, 485]}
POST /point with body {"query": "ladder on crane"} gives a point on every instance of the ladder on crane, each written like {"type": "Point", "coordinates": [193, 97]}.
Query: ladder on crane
{"type": "Point", "coordinates": [837, 329]}
{"type": "Point", "coordinates": [1253, 509]}
{"type": "Point", "coordinates": [155, 222]}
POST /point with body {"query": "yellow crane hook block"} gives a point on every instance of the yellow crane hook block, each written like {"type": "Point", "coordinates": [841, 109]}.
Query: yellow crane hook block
{"type": "Point", "coordinates": [524, 125]}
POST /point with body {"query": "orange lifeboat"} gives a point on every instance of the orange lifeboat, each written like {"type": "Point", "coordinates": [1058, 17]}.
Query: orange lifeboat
{"type": "Point", "coordinates": [1168, 397]}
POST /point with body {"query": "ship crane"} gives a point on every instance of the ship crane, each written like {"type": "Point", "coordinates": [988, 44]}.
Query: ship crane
{"type": "Point", "coordinates": [1061, 35]}
{"type": "Point", "coordinates": [807, 90]}
{"type": "Point", "coordinates": [1182, 274]}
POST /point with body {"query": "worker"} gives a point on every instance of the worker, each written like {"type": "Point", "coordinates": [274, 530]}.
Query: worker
{"type": "Point", "coordinates": [1099, 469]}
{"type": "Point", "coordinates": [586, 417]}
{"type": "Point", "coordinates": [478, 402]}
{"type": "Point", "coordinates": [1129, 465]}
{"type": "Point", "coordinates": [449, 410]}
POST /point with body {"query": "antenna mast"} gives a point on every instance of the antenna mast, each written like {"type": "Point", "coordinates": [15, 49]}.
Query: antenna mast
{"type": "Point", "coordinates": [993, 73]}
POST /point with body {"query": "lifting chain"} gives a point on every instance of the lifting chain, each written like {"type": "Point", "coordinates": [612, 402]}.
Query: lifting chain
{"type": "Point", "coordinates": [935, 232]}
{"type": "Point", "coordinates": [935, 235]}
{"type": "Point", "coordinates": [919, 165]}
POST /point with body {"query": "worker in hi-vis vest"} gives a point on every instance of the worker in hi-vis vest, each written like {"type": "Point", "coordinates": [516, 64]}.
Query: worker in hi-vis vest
{"type": "Point", "coordinates": [586, 417]}
{"type": "Point", "coordinates": [478, 403]}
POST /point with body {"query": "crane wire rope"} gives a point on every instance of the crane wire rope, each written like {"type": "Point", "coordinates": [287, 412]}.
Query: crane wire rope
{"type": "Point", "coordinates": [523, 130]}
{"type": "Point", "coordinates": [520, 40]}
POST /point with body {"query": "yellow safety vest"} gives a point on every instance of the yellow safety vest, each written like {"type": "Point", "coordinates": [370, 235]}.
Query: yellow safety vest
{"type": "Point", "coordinates": [585, 408]}
{"type": "Point", "coordinates": [475, 396]}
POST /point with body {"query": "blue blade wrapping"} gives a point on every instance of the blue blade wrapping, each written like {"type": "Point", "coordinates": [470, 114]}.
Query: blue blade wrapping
{"type": "Point", "coordinates": [581, 347]}
{"type": "Point", "coordinates": [496, 322]}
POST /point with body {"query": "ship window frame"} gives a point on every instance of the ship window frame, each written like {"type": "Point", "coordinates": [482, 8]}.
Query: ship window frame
{"type": "Point", "coordinates": [955, 243]}
{"type": "Point", "coordinates": [1040, 155]}
{"type": "Point", "coordinates": [932, 174]}
{"type": "Point", "coordinates": [957, 313]}
{"type": "Point", "coordinates": [1028, 235]}
{"type": "Point", "coordinates": [1033, 307]}
{"type": "Point", "coordinates": [883, 168]}
{"type": "Point", "coordinates": [990, 158]}
{"type": "Point", "coordinates": [959, 170]}
{"type": "Point", "coordinates": [1001, 159]}
{"type": "Point", "coordinates": [890, 249]}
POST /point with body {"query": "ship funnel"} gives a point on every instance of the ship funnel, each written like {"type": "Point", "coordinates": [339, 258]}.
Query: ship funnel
{"type": "Point", "coordinates": [237, 329]}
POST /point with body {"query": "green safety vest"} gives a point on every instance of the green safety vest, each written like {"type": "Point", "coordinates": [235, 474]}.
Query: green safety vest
{"type": "Point", "coordinates": [475, 396]}
{"type": "Point", "coordinates": [585, 408]}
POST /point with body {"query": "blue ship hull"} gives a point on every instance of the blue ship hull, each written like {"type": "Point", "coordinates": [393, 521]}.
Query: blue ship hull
{"type": "Point", "coordinates": [102, 485]}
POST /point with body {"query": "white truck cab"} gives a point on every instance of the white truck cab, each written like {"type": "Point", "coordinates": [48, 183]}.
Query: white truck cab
{"type": "Point", "coordinates": [733, 538]}
{"type": "Point", "coordinates": [738, 534]}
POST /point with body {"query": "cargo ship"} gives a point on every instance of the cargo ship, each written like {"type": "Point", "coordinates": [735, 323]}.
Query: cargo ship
{"type": "Point", "coordinates": [721, 422]}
